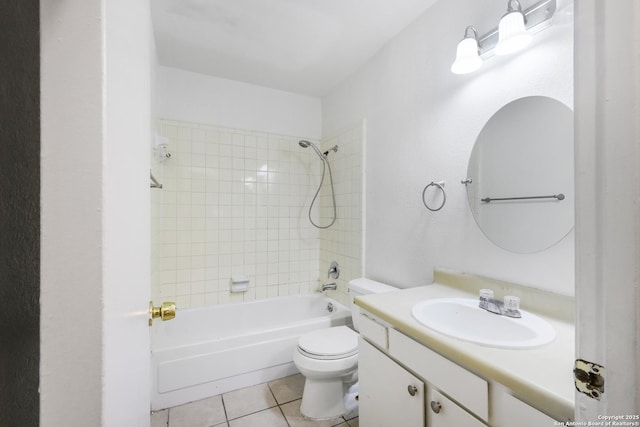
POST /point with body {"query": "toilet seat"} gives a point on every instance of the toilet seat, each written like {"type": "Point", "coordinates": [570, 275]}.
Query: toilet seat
{"type": "Point", "coordinates": [333, 343]}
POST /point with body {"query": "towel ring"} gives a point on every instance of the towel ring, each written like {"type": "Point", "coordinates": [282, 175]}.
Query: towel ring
{"type": "Point", "coordinates": [440, 185]}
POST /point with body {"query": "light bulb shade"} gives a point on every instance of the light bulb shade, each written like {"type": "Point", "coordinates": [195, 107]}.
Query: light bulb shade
{"type": "Point", "coordinates": [512, 35]}
{"type": "Point", "coordinates": [467, 58]}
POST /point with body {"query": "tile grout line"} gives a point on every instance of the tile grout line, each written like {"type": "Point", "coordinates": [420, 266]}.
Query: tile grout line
{"type": "Point", "coordinates": [224, 408]}
{"type": "Point", "coordinates": [278, 404]}
{"type": "Point", "coordinates": [284, 416]}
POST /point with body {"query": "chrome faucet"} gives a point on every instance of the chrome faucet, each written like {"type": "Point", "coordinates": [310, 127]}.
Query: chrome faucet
{"type": "Point", "coordinates": [329, 287]}
{"type": "Point", "coordinates": [495, 306]}
{"type": "Point", "coordinates": [510, 306]}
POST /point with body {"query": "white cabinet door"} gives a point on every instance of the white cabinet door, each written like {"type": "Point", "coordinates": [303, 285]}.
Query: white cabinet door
{"type": "Point", "coordinates": [508, 410]}
{"type": "Point", "coordinates": [388, 394]}
{"type": "Point", "coordinates": [445, 413]}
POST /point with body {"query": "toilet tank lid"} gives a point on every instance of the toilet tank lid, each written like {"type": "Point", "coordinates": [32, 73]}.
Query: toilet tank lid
{"type": "Point", "coordinates": [368, 286]}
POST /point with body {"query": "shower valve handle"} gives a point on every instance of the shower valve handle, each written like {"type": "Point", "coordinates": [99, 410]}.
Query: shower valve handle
{"type": "Point", "coordinates": [334, 270]}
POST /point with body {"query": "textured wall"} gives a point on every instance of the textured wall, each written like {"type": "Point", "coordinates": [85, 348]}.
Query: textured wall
{"type": "Point", "coordinates": [19, 213]}
{"type": "Point", "coordinates": [71, 285]}
{"type": "Point", "coordinates": [422, 122]}
{"type": "Point", "coordinates": [197, 98]}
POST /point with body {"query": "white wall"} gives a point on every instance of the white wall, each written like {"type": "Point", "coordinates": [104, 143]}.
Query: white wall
{"type": "Point", "coordinates": [198, 98]}
{"type": "Point", "coordinates": [71, 203]}
{"type": "Point", "coordinates": [422, 124]}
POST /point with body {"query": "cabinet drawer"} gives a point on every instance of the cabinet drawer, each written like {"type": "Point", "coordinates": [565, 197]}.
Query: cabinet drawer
{"type": "Point", "coordinates": [461, 385]}
{"type": "Point", "coordinates": [373, 331]}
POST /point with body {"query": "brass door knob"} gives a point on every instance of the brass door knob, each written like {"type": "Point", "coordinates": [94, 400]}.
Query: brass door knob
{"type": "Point", "coordinates": [166, 311]}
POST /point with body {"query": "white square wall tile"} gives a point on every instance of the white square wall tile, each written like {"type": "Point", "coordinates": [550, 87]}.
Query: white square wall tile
{"type": "Point", "coordinates": [232, 186]}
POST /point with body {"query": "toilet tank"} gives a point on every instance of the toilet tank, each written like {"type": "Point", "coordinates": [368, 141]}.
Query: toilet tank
{"type": "Point", "coordinates": [363, 286]}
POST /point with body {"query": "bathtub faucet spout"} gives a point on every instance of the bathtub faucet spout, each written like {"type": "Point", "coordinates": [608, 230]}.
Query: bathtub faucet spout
{"type": "Point", "coordinates": [329, 287]}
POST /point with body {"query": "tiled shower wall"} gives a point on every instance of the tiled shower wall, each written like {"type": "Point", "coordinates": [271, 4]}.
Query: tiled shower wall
{"type": "Point", "coordinates": [234, 203]}
{"type": "Point", "coordinates": [343, 242]}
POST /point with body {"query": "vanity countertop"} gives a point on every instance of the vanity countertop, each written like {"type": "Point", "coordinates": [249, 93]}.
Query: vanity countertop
{"type": "Point", "coordinates": [542, 376]}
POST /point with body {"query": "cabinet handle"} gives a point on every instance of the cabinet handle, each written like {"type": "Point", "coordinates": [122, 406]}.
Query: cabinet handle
{"type": "Point", "coordinates": [435, 406]}
{"type": "Point", "coordinates": [412, 390]}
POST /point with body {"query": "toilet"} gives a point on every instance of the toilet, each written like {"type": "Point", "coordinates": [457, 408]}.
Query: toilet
{"type": "Point", "coordinates": [328, 359]}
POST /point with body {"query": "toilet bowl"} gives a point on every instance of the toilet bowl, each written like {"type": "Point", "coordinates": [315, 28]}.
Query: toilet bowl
{"type": "Point", "coordinates": [328, 359]}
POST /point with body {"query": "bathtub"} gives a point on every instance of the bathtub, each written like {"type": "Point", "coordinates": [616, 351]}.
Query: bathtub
{"type": "Point", "coordinates": [211, 350]}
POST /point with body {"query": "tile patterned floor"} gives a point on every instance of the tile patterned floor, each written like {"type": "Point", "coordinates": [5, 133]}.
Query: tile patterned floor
{"type": "Point", "coordinates": [273, 404]}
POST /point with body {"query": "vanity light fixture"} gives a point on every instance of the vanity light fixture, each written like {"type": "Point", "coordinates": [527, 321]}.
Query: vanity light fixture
{"type": "Point", "coordinates": [514, 32]}
{"type": "Point", "coordinates": [467, 54]}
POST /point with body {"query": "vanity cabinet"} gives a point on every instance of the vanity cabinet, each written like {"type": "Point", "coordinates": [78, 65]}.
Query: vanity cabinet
{"type": "Point", "coordinates": [404, 383]}
{"type": "Point", "coordinates": [389, 395]}
{"type": "Point", "coordinates": [443, 412]}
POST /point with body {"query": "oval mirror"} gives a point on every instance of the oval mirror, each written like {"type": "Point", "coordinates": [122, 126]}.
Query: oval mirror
{"type": "Point", "coordinates": [521, 192]}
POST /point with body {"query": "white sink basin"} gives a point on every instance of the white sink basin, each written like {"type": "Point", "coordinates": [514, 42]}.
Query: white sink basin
{"type": "Point", "coordinates": [461, 318]}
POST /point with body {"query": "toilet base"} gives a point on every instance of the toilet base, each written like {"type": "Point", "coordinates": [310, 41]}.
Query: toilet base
{"type": "Point", "coordinates": [323, 399]}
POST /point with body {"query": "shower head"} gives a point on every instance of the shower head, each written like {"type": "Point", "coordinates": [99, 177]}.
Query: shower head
{"type": "Point", "coordinates": [304, 144]}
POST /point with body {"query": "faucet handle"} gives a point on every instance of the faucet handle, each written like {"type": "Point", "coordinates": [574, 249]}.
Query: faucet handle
{"type": "Point", "coordinates": [485, 296]}
{"type": "Point", "coordinates": [512, 306]}
{"type": "Point", "coordinates": [511, 302]}
{"type": "Point", "coordinates": [334, 270]}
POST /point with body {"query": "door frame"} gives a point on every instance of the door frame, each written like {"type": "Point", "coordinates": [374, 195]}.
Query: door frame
{"type": "Point", "coordinates": [607, 159]}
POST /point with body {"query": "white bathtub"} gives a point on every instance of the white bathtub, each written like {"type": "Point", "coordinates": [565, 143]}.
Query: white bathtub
{"type": "Point", "coordinates": [211, 350]}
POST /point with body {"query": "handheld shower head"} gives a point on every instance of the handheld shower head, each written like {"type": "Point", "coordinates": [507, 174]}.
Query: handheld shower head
{"type": "Point", "coordinates": [304, 144]}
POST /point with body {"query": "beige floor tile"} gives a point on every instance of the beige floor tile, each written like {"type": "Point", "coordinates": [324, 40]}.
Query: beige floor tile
{"type": "Point", "coordinates": [268, 418]}
{"type": "Point", "coordinates": [202, 413]}
{"type": "Point", "coordinates": [354, 422]}
{"type": "Point", "coordinates": [295, 419]}
{"type": "Point", "coordinates": [160, 418]}
{"type": "Point", "coordinates": [288, 388]}
{"type": "Point", "coordinates": [248, 400]}
{"type": "Point", "coordinates": [351, 415]}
